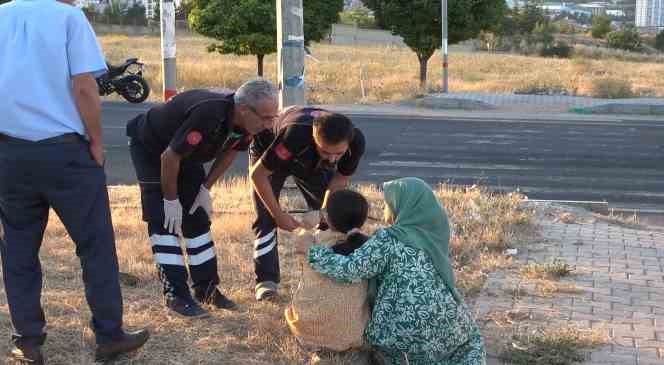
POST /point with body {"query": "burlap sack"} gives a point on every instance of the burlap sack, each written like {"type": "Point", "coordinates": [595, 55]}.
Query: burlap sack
{"type": "Point", "coordinates": [325, 314]}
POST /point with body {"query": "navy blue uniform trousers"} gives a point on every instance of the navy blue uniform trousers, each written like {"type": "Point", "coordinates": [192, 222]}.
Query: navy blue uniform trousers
{"type": "Point", "coordinates": [202, 259]}
{"type": "Point", "coordinates": [312, 185]}
{"type": "Point", "coordinates": [63, 176]}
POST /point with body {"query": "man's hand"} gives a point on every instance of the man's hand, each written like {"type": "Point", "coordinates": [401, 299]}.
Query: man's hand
{"type": "Point", "coordinates": [310, 220]}
{"type": "Point", "coordinates": [286, 222]}
{"type": "Point", "coordinates": [203, 200]}
{"type": "Point", "coordinates": [97, 152]}
{"type": "Point", "coordinates": [173, 216]}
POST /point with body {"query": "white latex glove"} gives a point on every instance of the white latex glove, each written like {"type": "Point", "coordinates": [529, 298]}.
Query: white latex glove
{"type": "Point", "coordinates": [173, 216]}
{"type": "Point", "coordinates": [203, 200]}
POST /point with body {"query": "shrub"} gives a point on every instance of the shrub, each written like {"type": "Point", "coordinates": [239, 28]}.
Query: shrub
{"type": "Point", "coordinates": [609, 88]}
{"type": "Point", "coordinates": [627, 39]}
{"type": "Point", "coordinates": [659, 41]}
{"type": "Point", "coordinates": [559, 49]}
{"type": "Point", "coordinates": [601, 26]}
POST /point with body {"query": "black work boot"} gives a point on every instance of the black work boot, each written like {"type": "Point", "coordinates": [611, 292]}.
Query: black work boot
{"type": "Point", "coordinates": [215, 298]}
{"type": "Point", "coordinates": [186, 307]}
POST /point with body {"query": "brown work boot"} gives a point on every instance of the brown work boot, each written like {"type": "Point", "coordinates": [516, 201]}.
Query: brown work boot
{"type": "Point", "coordinates": [129, 341]}
{"type": "Point", "coordinates": [26, 354]}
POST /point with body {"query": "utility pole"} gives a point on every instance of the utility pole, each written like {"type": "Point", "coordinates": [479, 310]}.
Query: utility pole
{"type": "Point", "coordinates": [168, 69]}
{"type": "Point", "coordinates": [444, 45]}
{"type": "Point", "coordinates": [290, 52]}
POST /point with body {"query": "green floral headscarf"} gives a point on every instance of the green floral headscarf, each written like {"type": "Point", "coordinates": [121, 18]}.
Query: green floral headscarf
{"type": "Point", "coordinates": [420, 221]}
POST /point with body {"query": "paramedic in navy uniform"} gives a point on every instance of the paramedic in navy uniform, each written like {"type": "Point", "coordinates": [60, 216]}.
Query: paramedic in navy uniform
{"type": "Point", "coordinates": [169, 145]}
{"type": "Point", "coordinates": [321, 151]}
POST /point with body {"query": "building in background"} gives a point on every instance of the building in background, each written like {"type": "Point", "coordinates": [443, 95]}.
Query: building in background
{"type": "Point", "coordinates": [151, 7]}
{"type": "Point", "coordinates": [595, 8]}
{"type": "Point", "coordinates": [96, 4]}
{"type": "Point", "coordinates": [650, 13]}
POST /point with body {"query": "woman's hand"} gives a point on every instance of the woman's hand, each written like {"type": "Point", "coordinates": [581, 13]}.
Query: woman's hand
{"type": "Point", "coordinates": [303, 241]}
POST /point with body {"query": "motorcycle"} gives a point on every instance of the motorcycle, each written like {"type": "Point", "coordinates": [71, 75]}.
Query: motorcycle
{"type": "Point", "coordinates": [126, 79]}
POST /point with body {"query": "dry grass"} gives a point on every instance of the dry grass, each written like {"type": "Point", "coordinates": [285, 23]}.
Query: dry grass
{"type": "Point", "coordinates": [621, 219]}
{"type": "Point", "coordinates": [552, 346]}
{"type": "Point", "coordinates": [610, 88]}
{"type": "Point", "coordinates": [256, 333]}
{"type": "Point", "coordinates": [384, 74]}
{"type": "Point", "coordinates": [553, 269]}
{"type": "Point", "coordinates": [543, 278]}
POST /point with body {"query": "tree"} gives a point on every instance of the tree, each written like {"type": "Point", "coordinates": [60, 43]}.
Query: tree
{"type": "Point", "coordinates": [135, 14]}
{"type": "Point", "coordinates": [182, 11]}
{"type": "Point", "coordinates": [319, 15]}
{"type": "Point", "coordinates": [359, 17]}
{"type": "Point", "coordinates": [543, 34]}
{"type": "Point", "coordinates": [659, 41]}
{"type": "Point", "coordinates": [156, 13]}
{"type": "Point", "coordinates": [418, 22]}
{"type": "Point", "coordinates": [4, 1]}
{"type": "Point", "coordinates": [627, 39]}
{"type": "Point", "coordinates": [601, 26]}
{"type": "Point", "coordinates": [90, 12]}
{"type": "Point", "coordinates": [566, 27]}
{"type": "Point", "coordinates": [249, 27]}
{"type": "Point", "coordinates": [528, 17]}
{"type": "Point", "coordinates": [115, 11]}
{"type": "Point", "coordinates": [377, 7]}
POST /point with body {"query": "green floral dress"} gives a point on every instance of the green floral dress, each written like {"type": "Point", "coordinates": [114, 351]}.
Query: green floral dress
{"type": "Point", "coordinates": [415, 316]}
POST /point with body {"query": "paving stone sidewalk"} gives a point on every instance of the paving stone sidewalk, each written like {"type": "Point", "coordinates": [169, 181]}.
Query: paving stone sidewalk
{"type": "Point", "coordinates": [541, 103]}
{"type": "Point", "coordinates": [618, 287]}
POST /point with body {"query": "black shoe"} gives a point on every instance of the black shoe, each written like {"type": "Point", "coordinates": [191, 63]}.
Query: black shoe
{"type": "Point", "coordinates": [216, 299]}
{"type": "Point", "coordinates": [128, 342]}
{"type": "Point", "coordinates": [26, 354]}
{"type": "Point", "coordinates": [185, 307]}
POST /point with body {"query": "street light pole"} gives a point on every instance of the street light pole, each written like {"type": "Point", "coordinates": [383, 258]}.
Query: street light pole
{"type": "Point", "coordinates": [444, 45]}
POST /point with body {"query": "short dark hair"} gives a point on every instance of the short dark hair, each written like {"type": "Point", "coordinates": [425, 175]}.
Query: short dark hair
{"type": "Point", "coordinates": [347, 209]}
{"type": "Point", "coordinates": [334, 128]}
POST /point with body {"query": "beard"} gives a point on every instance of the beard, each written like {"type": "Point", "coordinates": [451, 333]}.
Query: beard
{"type": "Point", "coordinates": [326, 165]}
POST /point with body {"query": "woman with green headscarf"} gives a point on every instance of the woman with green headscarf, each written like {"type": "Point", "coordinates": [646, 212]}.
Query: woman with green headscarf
{"type": "Point", "coordinates": [418, 315]}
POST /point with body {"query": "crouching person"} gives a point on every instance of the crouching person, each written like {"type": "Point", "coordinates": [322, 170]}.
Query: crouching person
{"type": "Point", "coordinates": [327, 315]}
{"type": "Point", "coordinates": [418, 317]}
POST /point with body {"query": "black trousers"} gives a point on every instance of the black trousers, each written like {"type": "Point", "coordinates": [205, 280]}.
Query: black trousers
{"type": "Point", "coordinates": [168, 254]}
{"type": "Point", "coordinates": [312, 185]}
{"type": "Point", "coordinates": [33, 178]}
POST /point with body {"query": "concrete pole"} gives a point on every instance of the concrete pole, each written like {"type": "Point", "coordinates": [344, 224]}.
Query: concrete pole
{"type": "Point", "coordinates": [290, 52]}
{"type": "Point", "coordinates": [168, 48]}
{"type": "Point", "coordinates": [444, 45]}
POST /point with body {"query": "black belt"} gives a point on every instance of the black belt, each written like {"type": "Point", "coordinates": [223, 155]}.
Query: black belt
{"type": "Point", "coordinates": [63, 138]}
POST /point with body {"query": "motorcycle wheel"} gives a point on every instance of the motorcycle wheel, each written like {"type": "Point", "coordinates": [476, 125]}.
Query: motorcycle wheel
{"type": "Point", "coordinates": [135, 89]}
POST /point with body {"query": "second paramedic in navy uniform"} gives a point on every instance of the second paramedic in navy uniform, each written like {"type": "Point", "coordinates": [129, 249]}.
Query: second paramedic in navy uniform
{"type": "Point", "coordinates": [321, 151]}
{"type": "Point", "coordinates": [169, 145]}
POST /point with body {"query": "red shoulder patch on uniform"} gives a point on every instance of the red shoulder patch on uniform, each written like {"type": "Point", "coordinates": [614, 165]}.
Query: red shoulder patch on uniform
{"type": "Point", "coordinates": [282, 152]}
{"type": "Point", "coordinates": [194, 138]}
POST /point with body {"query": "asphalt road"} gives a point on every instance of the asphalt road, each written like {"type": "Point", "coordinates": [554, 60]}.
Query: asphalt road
{"type": "Point", "coordinates": [619, 161]}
